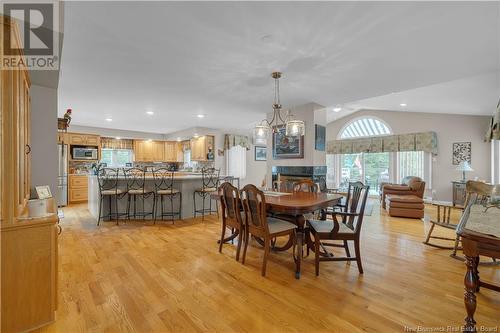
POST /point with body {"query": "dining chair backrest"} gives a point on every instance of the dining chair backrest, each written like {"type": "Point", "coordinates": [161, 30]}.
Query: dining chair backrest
{"type": "Point", "coordinates": [164, 179]}
{"type": "Point", "coordinates": [254, 204]}
{"type": "Point", "coordinates": [107, 179]}
{"type": "Point", "coordinates": [357, 196]}
{"type": "Point", "coordinates": [230, 203]}
{"type": "Point", "coordinates": [306, 185]}
{"type": "Point", "coordinates": [229, 179]}
{"type": "Point", "coordinates": [136, 178]}
{"type": "Point", "coordinates": [283, 186]}
{"type": "Point", "coordinates": [322, 184]}
{"type": "Point", "coordinates": [210, 177]}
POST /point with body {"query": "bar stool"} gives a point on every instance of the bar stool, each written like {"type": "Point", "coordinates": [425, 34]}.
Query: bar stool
{"type": "Point", "coordinates": [210, 182]}
{"type": "Point", "coordinates": [107, 179]}
{"type": "Point", "coordinates": [136, 181]}
{"type": "Point", "coordinates": [164, 187]}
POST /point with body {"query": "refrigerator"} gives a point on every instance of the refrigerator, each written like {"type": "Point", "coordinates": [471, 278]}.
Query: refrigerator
{"type": "Point", "coordinates": [62, 176]}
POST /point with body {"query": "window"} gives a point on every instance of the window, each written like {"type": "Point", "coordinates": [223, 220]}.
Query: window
{"type": "Point", "coordinates": [116, 158]}
{"type": "Point", "coordinates": [364, 127]}
{"type": "Point", "coordinates": [237, 162]}
{"type": "Point", "coordinates": [495, 162]}
{"type": "Point", "coordinates": [374, 168]}
{"type": "Point", "coordinates": [411, 163]}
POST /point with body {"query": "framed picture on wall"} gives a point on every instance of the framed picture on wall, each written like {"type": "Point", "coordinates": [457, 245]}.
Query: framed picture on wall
{"type": "Point", "coordinates": [287, 146]}
{"type": "Point", "coordinates": [260, 153]}
{"type": "Point", "coordinates": [43, 192]}
{"type": "Point", "coordinates": [319, 137]}
{"type": "Point", "coordinates": [462, 152]}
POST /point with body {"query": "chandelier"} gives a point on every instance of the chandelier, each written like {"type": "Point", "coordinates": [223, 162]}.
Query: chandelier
{"type": "Point", "coordinates": [292, 126]}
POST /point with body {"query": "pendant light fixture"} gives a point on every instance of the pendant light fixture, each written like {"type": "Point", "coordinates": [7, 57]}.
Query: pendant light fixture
{"type": "Point", "coordinates": [293, 127]}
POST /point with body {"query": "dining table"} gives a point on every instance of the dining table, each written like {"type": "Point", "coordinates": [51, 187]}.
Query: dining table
{"type": "Point", "coordinates": [294, 207]}
{"type": "Point", "coordinates": [479, 229]}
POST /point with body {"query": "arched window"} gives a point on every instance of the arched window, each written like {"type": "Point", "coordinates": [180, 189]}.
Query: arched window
{"type": "Point", "coordinates": [364, 127]}
{"type": "Point", "coordinates": [372, 168]}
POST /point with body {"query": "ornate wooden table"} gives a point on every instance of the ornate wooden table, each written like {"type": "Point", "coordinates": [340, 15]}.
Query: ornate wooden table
{"type": "Point", "coordinates": [480, 232]}
{"type": "Point", "coordinates": [295, 205]}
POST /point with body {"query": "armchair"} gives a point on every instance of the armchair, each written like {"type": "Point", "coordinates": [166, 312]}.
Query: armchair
{"type": "Point", "coordinates": [411, 186]}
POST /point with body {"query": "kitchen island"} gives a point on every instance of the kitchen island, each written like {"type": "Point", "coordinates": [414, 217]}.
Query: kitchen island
{"type": "Point", "coordinates": [184, 183]}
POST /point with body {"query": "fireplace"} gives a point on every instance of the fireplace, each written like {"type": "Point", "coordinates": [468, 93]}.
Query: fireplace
{"type": "Point", "coordinates": [285, 176]}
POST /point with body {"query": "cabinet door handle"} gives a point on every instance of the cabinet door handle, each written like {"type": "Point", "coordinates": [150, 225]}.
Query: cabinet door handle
{"type": "Point", "coordinates": [28, 149]}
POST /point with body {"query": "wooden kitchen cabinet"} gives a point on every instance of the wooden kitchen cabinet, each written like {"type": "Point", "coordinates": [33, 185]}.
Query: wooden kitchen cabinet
{"type": "Point", "coordinates": [200, 148]}
{"type": "Point", "coordinates": [62, 137]}
{"type": "Point", "coordinates": [148, 151]}
{"type": "Point", "coordinates": [173, 152]}
{"type": "Point", "coordinates": [78, 139]}
{"type": "Point", "coordinates": [78, 188]}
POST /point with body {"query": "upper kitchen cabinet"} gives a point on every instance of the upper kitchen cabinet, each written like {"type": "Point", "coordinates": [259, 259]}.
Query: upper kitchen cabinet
{"type": "Point", "coordinates": [78, 139]}
{"type": "Point", "coordinates": [148, 151]}
{"type": "Point", "coordinates": [173, 152]}
{"type": "Point", "coordinates": [62, 137]}
{"type": "Point", "coordinates": [202, 148]}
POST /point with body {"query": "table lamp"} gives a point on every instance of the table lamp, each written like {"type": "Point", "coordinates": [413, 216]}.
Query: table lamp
{"type": "Point", "coordinates": [464, 166]}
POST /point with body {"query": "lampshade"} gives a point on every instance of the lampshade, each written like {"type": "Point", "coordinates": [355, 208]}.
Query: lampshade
{"type": "Point", "coordinates": [295, 128]}
{"type": "Point", "coordinates": [464, 166]}
{"type": "Point", "coordinates": [260, 132]}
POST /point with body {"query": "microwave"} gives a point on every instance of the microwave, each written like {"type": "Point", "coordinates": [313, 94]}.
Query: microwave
{"type": "Point", "coordinates": [84, 153]}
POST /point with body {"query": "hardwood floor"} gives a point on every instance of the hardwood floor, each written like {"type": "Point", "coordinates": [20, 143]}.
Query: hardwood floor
{"type": "Point", "coordinates": [139, 277]}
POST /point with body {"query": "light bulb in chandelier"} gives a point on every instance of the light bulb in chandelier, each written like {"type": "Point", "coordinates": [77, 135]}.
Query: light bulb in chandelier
{"type": "Point", "coordinates": [295, 128]}
{"type": "Point", "coordinates": [261, 132]}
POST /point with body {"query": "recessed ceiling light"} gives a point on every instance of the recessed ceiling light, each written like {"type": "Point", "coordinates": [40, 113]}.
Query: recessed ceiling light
{"type": "Point", "coordinates": [200, 116]}
{"type": "Point", "coordinates": [150, 113]}
{"type": "Point", "coordinates": [402, 104]}
{"type": "Point", "coordinates": [109, 119]}
{"type": "Point", "coordinates": [118, 138]}
{"type": "Point", "coordinates": [267, 39]}
{"type": "Point", "coordinates": [195, 135]}
{"type": "Point", "coordinates": [179, 139]}
{"type": "Point", "coordinates": [337, 109]}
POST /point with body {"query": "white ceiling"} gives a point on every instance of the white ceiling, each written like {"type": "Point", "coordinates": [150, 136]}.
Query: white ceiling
{"type": "Point", "coordinates": [476, 95]}
{"type": "Point", "coordinates": [121, 59]}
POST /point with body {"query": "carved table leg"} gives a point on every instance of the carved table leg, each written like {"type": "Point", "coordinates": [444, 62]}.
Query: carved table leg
{"type": "Point", "coordinates": [471, 284]}
{"type": "Point", "coordinates": [476, 274]}
{"type": "Point", "coordinates": [300, 240]}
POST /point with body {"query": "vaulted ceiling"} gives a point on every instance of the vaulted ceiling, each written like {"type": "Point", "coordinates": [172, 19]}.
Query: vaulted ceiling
{"type": "Point", "coordinates": [178, 60]}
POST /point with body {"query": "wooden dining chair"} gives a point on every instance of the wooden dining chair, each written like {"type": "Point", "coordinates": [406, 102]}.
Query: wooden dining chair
{"type": "Point", "coordinates": [347, 229]}
{"type": "Point", "coordinates": [232, 215]}
{"type": "Point", "coordinates": [261, 226]}
{"type": "Point", "coordinates": [306, 185]}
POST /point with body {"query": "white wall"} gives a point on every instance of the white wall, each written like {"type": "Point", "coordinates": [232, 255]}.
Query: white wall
{"type": "Point", "coordinates": [449, 129]}
{"type": "Point", "coordinates": [44, 157]}
{"type": "Point", "coordinates": [311, 114]}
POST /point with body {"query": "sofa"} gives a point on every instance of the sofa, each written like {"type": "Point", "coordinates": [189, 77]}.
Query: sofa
{"type": "Point", "coordinates": [411, 186]}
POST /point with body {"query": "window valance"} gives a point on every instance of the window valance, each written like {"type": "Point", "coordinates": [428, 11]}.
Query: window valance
{"type": "Point", "coordinates": [426, 141]}
{"type": "Point", "coordinates": [112, 143]}
{"type": "Point", "coordinates": [231, 140]}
